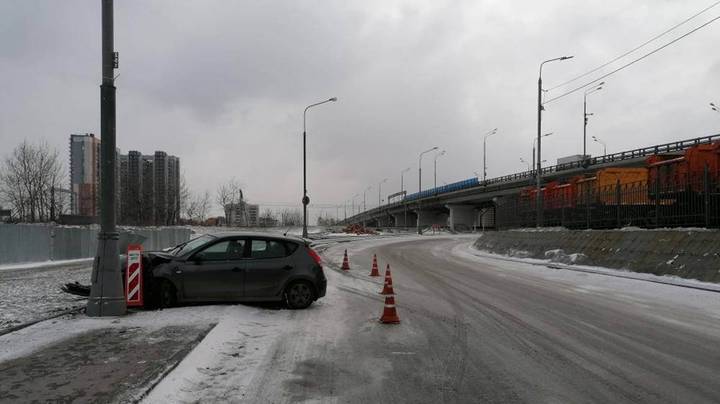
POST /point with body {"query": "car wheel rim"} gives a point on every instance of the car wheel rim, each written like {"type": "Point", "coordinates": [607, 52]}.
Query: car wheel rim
{"type": "Point", "coordinates": [300, 295]}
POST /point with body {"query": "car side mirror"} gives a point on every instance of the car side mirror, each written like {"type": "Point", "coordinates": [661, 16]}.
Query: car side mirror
{"type": "Point", "coordinates": [197, 258]}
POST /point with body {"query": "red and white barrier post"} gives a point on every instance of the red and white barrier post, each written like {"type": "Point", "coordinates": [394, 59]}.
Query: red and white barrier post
{"type": "Point", "coordinates": [133, 276]}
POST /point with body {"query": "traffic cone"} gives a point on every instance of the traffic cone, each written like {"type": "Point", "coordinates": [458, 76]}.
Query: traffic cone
{"type": "Point", "coordinates": [389, 315]}
{"type": "Point", "coordinates": [374, 271]}
{"type": "Point", "coordinates": [346, 263]}
{"type": "Point", "coordinates": [387, 287]}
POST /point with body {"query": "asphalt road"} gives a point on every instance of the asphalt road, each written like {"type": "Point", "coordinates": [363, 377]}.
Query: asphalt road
{"type": "Point", "coordinates": [497, 332]}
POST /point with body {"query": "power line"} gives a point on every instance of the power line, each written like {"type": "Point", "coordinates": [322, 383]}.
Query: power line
{"type": "Point", "coordinates": [634, 49]}
{"type": "Point", "coordinates": [631, 63]}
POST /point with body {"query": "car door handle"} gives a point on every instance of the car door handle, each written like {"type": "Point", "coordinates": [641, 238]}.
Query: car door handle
{"type": "Point", "coordinates": [237, 269]}
{"type": "Point", "coordinates": [288, 267]}
{"type": "Point", "coordinates": [177, 271]}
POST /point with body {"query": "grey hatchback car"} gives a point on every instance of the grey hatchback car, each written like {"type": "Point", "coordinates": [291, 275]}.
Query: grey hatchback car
{"type": "Point", "coordinates": [247, 267]}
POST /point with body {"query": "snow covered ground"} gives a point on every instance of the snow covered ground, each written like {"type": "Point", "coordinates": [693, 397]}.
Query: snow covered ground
{"type": "Point", "coordinates": [32, 292]}
{"type": "Point", "coordinates": [551, 263]}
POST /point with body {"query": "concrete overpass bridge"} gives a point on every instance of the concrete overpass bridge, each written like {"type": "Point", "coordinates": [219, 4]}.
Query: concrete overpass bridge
{"type": "Point", "coordinates": [470, 204]}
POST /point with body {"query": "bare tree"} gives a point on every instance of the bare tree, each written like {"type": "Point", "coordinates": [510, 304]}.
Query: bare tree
{"type": "Point", "coordinates": [197, 207]}
{"type": "Point", "coordinates": [28, 179]}
{"type": "Point", "coordinates": [291, 217]}
{"type": "Point", "coordinates": [184, 197]}
{"type": "Point", "coordinates": [229, 193]}
{"type": "Point", "coordinates": [268, 218]}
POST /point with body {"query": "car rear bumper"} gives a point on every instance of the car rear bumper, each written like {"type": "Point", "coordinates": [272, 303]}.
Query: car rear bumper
{"type": "Point", "coordinates": [322, 287]}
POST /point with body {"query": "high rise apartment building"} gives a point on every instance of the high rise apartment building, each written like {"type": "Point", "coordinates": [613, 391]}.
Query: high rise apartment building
{"type": "Point", "coordinates": [148, 186]}
{"type": "Point", "coordinates": [85, 174]}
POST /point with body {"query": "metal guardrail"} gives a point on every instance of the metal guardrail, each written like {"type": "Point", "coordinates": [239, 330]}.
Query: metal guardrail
{"type": "Point", "coordinates": [610, 158]}
{"type": "Point", "coordinates": [593, 161]}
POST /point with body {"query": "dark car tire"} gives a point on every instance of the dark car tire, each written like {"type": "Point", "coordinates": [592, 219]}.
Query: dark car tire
{"type": "Point", "coordinates": [167, 295]}
{"type": "Point", "coordinates": [299, 295]}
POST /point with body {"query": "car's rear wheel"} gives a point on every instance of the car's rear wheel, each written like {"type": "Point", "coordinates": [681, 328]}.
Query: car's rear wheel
{"type": "Point", "coordinates": [299, 295]}
{"type": "Point", "coordinates": [167, 296]}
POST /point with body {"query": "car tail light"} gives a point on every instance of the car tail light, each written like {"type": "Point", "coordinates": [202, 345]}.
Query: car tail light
{"type": "Point", "coordinates": [315, 256]}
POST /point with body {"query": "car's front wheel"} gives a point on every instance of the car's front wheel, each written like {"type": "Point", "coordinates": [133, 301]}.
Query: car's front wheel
{"type": "Point", "coordinates": [167, 296]}
{"type": "Point", "coordinates": [299, 295]}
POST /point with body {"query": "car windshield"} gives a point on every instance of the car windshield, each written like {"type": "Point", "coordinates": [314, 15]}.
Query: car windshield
{"type": "Point", "coordinates": [191, 245]}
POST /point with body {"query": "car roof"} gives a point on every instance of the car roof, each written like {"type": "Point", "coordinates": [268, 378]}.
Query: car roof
{"type": "Point", "coordinates": [257, 234]}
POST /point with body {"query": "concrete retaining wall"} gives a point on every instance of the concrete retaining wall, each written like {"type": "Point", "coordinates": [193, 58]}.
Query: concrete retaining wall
{"type": "Point", "coordinates": [35, 243]}
{"type": "Point", "coordinates": [693, 254]}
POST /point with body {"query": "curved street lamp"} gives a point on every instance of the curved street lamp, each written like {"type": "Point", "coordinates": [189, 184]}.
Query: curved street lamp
{"type": "Point", "coordinates": [539, 141]}
{"type": "Point", "coordinates": [420, 167]}
{"type": "Point", "coordinates": [437, 155]}
{"type": "Point", "coordinates": [522, 160]}
{"type": "Point", "coordinates": [379, 189]}
{"type": "Point", "coordinates": [306, 199]}
{"type": "Point", "coordinates": [595, 138]}
{"type": "Point", "coordinates": [586, 115]}
{"type": "Point", "coordinates": [487, 135]}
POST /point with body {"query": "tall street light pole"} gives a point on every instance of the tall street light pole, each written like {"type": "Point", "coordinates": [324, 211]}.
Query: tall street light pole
{"type": "Point", "coordinates": [106, 291]}
{"type": "Point", "coordinates": [353, 204]}
{"type": "Point", "coordinates": [379, 188]}
{"type": "Point", "coordinates": [586, 115]}
{"type": "Point", "coordinates": [420, 167]}
{"type": "Point", "coordinates": [539, 141]}
{"type": "Point", "coordinates": [442, 153]}
{"type": "Point", "coordinates": [364, 199]}
{"type": "Point", "coordinates": [419, 230]}
{"type": "Point", "coordinates": [487, 135]}
{"type": "Point", "coordinates": [595, 138]}
{"type": "Point", "coordinates": [306, 199]}
{"type": "Point", "coordinates": [402, 189]}
{"type": "Point", "coordinates": [402, 186]}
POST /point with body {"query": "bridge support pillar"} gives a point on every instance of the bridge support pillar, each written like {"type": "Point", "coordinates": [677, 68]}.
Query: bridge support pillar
{"type": "Point", "coordinates": [405, 219]}
{"type": "Point", "coordinates": [462, 217]}
{"type": "Point", "coordinates": [431, 217]}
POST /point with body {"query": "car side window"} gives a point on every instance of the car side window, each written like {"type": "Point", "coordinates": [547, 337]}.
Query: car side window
{"type": "Point", "coordinates": [267, 249]}
{"type": "Point", "coordinates": [216, 252]}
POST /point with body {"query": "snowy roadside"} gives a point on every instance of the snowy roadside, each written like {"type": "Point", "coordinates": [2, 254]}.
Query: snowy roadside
{"type": "Point", "coordinates": [471, 251]}
{"type": "Point", "coordinates": [45, 264]}
{"type": "Point", "coordinates": [656, 296]}
{"type": "Point", "coordinates": [33, 293]}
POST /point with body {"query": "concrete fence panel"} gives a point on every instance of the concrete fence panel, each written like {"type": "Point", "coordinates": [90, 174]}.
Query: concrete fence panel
{"type": "Point", "coordinates": [21, 243]}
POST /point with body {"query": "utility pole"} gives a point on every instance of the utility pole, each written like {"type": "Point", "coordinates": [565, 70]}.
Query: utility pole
{"type": "Point", "coordinates": [538, 175]}
{"type": "Point", "coordinates": [106, 292]}
{"type": "Point", "coordinates": [585, 117]}
{"type": "Point", "coordinates": [487, 135]}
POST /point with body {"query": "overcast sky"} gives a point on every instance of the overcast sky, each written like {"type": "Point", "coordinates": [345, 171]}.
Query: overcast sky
{"type": "Point", "coordinates": [223, 84]}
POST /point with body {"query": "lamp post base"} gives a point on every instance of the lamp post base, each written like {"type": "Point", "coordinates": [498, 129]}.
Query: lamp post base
{"type": "Point", "coordinates": [107, 297]}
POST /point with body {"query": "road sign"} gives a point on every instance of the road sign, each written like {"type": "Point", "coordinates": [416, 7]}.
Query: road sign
{"type": "Point", "coordinates": [133, 276]}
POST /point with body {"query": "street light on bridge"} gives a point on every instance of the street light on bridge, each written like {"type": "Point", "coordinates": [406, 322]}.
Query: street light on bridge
{"type": "Point", "coordinates": [533, 147]}
{"type": "Point", "coordinates": [379, 189]}
{"type": "Point", "coordinates": [420, 167]}
{"type": "Point", "coordinates": [487, 135]}
{"type": "Point", "coordinates": [437, 155]}
{"type": "Point", "coordinates": [586, 115]}
{"type": "Point", "coordinates": [595, 138]}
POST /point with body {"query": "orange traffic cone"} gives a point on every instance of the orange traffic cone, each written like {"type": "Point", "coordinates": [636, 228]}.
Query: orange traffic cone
{"type": "Point", "coordinates": [374, 271]}
{"type": "Point", "coordinates": [389, 315]}
{"type": "Point", "coordinates": [346, 263]}
{"type": "Point", "coordinates": [387, 287]}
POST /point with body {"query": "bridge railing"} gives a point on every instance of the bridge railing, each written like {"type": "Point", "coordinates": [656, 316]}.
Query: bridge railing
{"type": "Point", "coordinates": [593, 161]}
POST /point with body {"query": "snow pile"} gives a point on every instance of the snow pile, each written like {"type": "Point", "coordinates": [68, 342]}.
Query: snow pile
{"type": "Point", "coordinates": [558, 255]}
